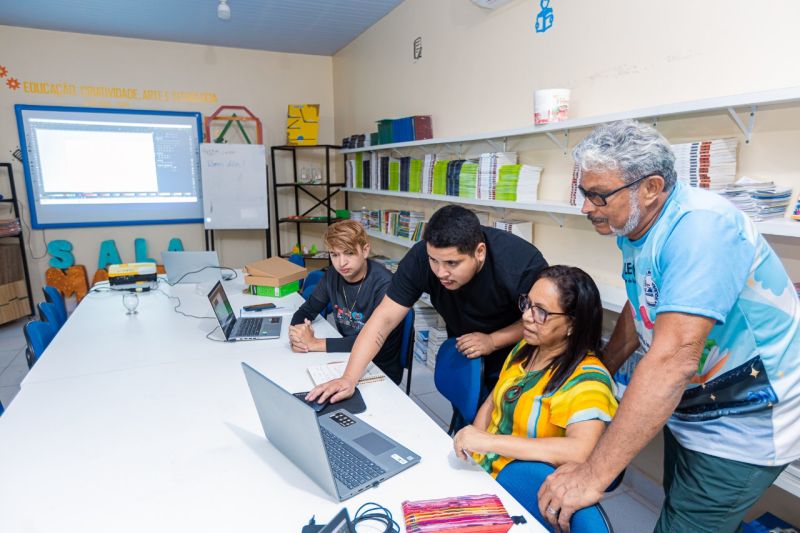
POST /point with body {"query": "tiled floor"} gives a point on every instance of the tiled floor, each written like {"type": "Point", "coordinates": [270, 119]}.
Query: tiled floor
{"type": "Point", "coordinates": [627, 507]}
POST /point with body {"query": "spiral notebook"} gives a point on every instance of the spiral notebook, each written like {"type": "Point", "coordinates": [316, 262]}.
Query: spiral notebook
{"type": "Point", "coordinates": [324, 373]}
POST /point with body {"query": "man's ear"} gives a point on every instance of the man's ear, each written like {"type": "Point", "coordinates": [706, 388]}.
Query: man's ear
{"type": "Point", "coordinates": [480, 251]}
{"type": "Point", "coordinates": [652, 188]}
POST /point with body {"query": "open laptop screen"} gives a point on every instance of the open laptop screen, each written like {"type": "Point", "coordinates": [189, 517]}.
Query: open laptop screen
{"type": "Point", "coordinates": [222, 307]}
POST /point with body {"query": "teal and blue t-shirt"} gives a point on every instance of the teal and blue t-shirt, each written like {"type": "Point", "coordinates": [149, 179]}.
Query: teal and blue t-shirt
{"type": "Point", "coordinates": [705, 257]}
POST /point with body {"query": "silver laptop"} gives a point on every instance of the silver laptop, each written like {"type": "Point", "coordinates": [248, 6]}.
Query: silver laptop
{"type": "Point", "coordinates": [191, 267]}
{"type": "Point", "coordinates": [242, 329]}
{"type": "Point", "coordinates": [342, 454]}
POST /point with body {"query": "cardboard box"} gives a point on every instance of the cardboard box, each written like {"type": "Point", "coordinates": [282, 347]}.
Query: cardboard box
{"type": "Point", "coordinates": [274, 292]}
{"type": "Point", "coordinates": [14, 302]}
{"type": "Point", "coordinates": [273, 272]}
{"type": "Point", "coordinates": [302, 124]}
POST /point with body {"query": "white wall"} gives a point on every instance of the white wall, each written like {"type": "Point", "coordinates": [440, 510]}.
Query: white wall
{"type": "Point", "coordinates": [479, 69]}
{"type": "Point", "coordinates": [265, 82]}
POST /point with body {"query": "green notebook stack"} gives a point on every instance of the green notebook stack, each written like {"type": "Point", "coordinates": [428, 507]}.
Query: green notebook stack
{"type": "Point", "coordinates": [440, 176]}
{"type": "Point", "coordinates": [359, 170]}
{"type": "Point", "coordinates": [394, 175]}
{"type": "Point", "coordinates": [507, 178]}
{"type": "Point", "coordinates": [415, 176]}
{"type": "Point", "coordinates": [468, 180]}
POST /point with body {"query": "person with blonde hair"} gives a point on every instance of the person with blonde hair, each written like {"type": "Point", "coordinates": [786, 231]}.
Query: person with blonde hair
{"type": "Point", "coordinates": [354, 287]}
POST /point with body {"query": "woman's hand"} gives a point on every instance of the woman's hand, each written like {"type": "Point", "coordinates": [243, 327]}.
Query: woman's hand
{"type": "Point", "coordinates": [471, 440]}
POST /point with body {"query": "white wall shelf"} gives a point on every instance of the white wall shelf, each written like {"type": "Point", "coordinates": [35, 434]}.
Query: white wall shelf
{"type": "Point", "coordinates": [785, 227]}
{"type": "Point", "coordinates": [555, 210]}
{"type": "Point", "coordinates": [729, 105]}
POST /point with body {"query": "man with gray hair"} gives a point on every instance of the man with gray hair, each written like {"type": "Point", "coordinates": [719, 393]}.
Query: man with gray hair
{"type": "Point", "coordinates": [714, 311]}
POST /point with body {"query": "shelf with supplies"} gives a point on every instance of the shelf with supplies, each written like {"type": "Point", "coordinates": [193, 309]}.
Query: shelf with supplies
{"type": "Point", "coordinates": [16, 298]}
{"type": "Point", "coordinates": [558, 132]}
{"type": "Point", "coordinates": [785, 227]}
{"type": "Point", "coordinates": [613, 297]}
{"type": "Point", "coordinates": [322, 193]}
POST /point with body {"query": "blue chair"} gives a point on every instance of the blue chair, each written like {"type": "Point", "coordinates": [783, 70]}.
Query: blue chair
{"type": "Point", "coordinates": [297, 259]}
{"type": "Point", "coordinates": [407, 347]}
{"type": "Point", "coordinates": [53, 296]}
{"type": "Point", "coordinates": [49, 314]}
{"type": "Point", "coordinates": [38, 336]}
{"type": "Point", "coordinates": [311, 281]}
{"type": "Point", "coordinates": [460, 380]}
{"type": "Point", "coordinates": [522, 479]}
{"type": "Point", "coordinates": [1, 408]}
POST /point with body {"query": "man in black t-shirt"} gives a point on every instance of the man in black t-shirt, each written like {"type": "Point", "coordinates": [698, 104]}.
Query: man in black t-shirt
{"type": "Point", "coordinates": [474, 275]}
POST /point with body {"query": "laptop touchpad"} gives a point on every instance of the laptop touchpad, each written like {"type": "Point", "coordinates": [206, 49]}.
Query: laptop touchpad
{"type": "Point", "coordinates": [373, 443]}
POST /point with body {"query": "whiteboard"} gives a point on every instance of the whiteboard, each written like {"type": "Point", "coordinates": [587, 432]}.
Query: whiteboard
{"type": "Point", "coordinates": [234, 186]}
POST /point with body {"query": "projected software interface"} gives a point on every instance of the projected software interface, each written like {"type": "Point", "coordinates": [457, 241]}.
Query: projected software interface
{"type": "Point", "coordinates": [95, 168]}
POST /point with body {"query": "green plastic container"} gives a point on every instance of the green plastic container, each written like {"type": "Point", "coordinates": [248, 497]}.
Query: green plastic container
{"type": "Point", "coordinates": [275, 292]}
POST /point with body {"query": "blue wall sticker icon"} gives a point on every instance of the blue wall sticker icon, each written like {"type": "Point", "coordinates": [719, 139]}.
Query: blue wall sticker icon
{"type": "Point", "coordinates": [544, 20]}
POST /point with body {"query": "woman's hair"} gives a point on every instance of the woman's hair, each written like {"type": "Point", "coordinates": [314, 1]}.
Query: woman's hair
{"type": "Point", "coordinates": [580, 299]}
{"type": "Point", "coordinates": [347, 235]}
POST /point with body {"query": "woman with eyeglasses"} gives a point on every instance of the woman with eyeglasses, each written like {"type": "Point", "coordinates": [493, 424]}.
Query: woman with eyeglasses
{"type": "Point", "coordinates": [553, 398]}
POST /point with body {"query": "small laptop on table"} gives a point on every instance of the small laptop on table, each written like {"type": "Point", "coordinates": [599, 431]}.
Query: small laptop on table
{"type": "Point", "coordinates": [242, 329]}
{"type": "Point", "coordinates": [342, 454]}
{"type": "Point", "coordinates": [191, 267]}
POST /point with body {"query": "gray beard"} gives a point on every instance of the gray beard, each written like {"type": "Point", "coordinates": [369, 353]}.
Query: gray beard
{"type": "Point", "coordinates": [633, 220]}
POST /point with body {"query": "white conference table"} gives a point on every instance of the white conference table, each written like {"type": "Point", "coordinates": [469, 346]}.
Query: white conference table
{"type": "Point", "coordinates": [142, 424]}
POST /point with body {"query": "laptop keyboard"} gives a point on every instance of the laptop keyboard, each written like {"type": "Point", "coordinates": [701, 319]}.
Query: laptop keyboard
{"type": "Point", "coordinates": [349, 466]}
{"type": "Point", "coordinates": [249, 327]}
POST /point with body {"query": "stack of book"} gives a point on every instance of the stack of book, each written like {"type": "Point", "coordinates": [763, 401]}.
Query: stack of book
{"type": "Point", "coordinates": [520, 228]}
{"type": "Point", "coordinates": [706, 164]}
{"type": "Point", "coordinates": [427, 173]}
{"type": "Point", "coordinates": [440, 176]}
{"type": "Point", "coordinates": [468, 180]}
{"type": "Point", "coordinates": [518, 183]}
{"type": "Point", "coordinates": [425, 319]}
{"type": "Point", "coordinates": [453, 173]}
{"type": "Point", "coordinates": [390, 264]}
{"type": "Point", "coordinates": [488, 170]}
{"type": "Point", "coordinates": [9, 227]}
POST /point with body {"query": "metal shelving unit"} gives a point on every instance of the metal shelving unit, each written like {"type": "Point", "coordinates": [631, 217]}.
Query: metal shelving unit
{"type": "Point", "coordinates": [20, 237]}
{"type": "Point", "coordinates": [331, 189]}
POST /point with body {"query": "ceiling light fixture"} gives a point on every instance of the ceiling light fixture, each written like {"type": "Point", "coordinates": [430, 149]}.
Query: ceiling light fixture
{"type": "Point", "coordinates": [223, 10]}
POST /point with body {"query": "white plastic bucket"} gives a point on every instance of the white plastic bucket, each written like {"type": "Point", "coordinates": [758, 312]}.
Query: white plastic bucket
{"type": "Point", "coordinates": [550, 105]}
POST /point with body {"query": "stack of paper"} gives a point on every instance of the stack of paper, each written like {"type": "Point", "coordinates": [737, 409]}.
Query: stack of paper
{"type": "Point", "coordinates": [390, 264]}
{"type": "Point", "coordinates": [520, 228]}
{"type": "Point", "coordinates": [427, 173]}
{"type": "Point", "coordinates": [488, 168]}
{"type": "Point", "coordinates": [436, 336]}
{"type": "Point", "coordinates": [453, 174]}
{"type": "Point", "coordinates": [383, 173]}
{"type": "Point", "coordinates": [468, 180]}
{"type": "Point", "coordinates": [528, 184]}
{"type": "Point", "coordinates": [759, 199]}
{"type": "Point", "coordinates": [706, 164]}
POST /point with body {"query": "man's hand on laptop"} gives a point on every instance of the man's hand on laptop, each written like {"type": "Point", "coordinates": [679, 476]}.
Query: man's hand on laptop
{"type": "Point", "coordinates": [333, 391]}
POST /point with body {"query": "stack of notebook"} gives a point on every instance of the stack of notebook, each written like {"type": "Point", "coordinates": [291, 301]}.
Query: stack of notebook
{"type": "Point", "coordinates": [468, 180]}
{"type": "Point", "coordinates": [706, 164]}
{"type": "Point", "coordinates": [427, 173]}
{"type": "Point", "coordinates": [440, 176]}
{"type": "Point", "coordinates": [520, 228]}
{"type": "Point", "coordinates": [518, 183]}
{"type": "Point", "coordinates": [760, 199]}
{"type": "Point", "coordinates": [488, 170]}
